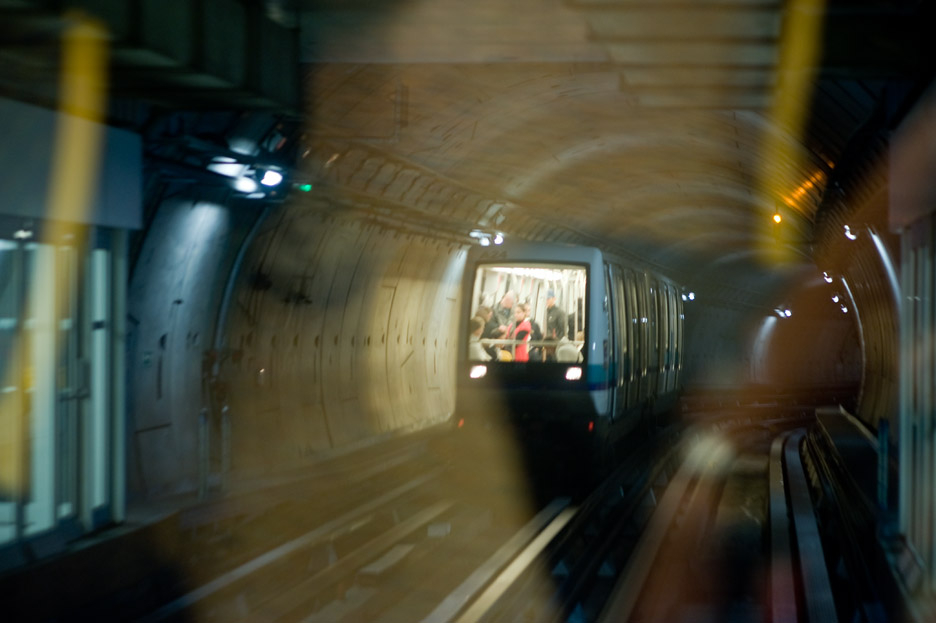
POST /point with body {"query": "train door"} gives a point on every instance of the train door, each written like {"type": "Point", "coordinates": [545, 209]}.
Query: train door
{"type": "Point", "coordinates": [631, 321]}
{"type": "Point", "coordinates": [653, 341]}
{"type": "Point", "coordinates": [622, 346]}
{"type": "Point", "coordinates": [662, 291]}
{"type": "Point", "coordinates": [643, 336]}
{"type": "Point", "coordinates": [673, 315]}
{"type": "Point", "coordinates": [666, 360]}
{"type": "Point", "coordinates": [680, 320]}
{"type": "Point", "coordinates": [613, 350]}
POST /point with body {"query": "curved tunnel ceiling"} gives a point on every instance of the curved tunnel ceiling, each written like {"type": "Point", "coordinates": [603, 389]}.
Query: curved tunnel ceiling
{"type": "Point", "coordinates": [668, 132]}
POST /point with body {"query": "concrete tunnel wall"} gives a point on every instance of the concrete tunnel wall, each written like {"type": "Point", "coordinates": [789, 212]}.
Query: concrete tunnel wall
{"type": "Point", "coordinates": [717, 343]}
{"type": "Point", "coordinates": [339, 331]}
{"type": "Point", "coordinates": [732, 348]}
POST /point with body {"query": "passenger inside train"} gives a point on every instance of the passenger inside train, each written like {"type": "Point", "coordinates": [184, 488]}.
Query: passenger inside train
{"type": "Point", "coordinates": [516, 303]}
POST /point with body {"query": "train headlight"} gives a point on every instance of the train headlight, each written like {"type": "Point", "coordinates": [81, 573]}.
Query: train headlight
{"type": "Point", "coordinates": [477, 372]}
{"type": "Point", "coordinates": [574, 373]}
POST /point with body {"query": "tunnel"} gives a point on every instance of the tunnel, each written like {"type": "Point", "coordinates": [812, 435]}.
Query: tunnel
{"type": "Point", "coordinates": [235, 237]}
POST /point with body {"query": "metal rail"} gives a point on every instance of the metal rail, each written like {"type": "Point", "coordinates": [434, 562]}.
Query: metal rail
{"type": "Point", "coordinates": [545, 522]}
{"type": "Point", "coordinates": [817, 591]}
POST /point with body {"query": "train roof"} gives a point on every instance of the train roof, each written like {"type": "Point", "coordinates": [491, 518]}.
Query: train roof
{"type": "Point", "coordinates": [525, 250]}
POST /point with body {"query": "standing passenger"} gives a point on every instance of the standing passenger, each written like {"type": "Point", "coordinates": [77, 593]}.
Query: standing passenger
{"type": "Point", "coordinates": [503, 313]}
{"type": "Point", "coordinates": [520, 331]}
{"type": "Point", "coordinates": [556, 324]}
{"type": "Point", "coordinates": [555, 318]}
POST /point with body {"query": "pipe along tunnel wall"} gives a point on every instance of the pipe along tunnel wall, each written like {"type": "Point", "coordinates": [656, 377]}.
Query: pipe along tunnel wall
{"type": "Point", "coordinates": [337, 331]}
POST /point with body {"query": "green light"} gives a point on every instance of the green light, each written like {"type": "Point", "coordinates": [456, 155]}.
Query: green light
{"type": "Point", "coordinates": [304, 187]}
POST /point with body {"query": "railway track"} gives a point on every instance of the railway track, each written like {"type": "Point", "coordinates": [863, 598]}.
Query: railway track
{"type": "Point", "coordinates": [715, 523]}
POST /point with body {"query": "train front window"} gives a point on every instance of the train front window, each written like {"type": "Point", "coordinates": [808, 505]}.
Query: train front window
{"type": "Point", "coordinates": [529, 312]}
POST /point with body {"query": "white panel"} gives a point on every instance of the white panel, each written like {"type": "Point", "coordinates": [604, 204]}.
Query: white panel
{"type": "Point", "coordinates": [41, 512]}
{"type": "Point", "coordinates": [68, 427]}
{"type": "Point", "coordinates": [98, 450]}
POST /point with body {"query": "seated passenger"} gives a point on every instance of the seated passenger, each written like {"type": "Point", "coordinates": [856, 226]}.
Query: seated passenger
{"type": "Point", "coordinates": [476, 352]}
{"type": "Point", "coordinates": [491, 330]}
{"type": "Point", "coordinates": [567, 352]}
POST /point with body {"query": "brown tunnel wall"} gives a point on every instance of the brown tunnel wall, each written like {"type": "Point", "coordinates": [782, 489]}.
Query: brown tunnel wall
{"type": "Point", "coordinates": [340, 331]}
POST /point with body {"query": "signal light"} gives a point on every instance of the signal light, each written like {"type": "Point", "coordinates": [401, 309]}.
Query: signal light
{"type": "Point", "coordinates": [591, 426]}
{"type": "Point", "coordinates": [461, 422]}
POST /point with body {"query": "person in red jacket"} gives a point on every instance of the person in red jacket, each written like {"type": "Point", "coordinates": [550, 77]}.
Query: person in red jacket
{"type": "Point", "coordinates": [520, 330]}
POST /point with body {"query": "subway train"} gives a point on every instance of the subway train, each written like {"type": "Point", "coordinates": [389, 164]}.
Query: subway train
{"type": "Point", "coordinates": [594, 352]}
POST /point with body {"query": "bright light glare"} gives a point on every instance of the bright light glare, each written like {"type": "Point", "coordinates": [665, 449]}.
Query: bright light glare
{"type": "Point", "coordinates": [787, 313]}
{"type": "Point", "coordinates": [685, 298]}
{"type": "Point", "coordinates": [574, 374]}
{"type": "Point", "coordinates": [271, 178]}
{"type": "Point", "coordinates": [827, 278]}
{"type": "Point", "coordinates": [536, 273]}
{"type": "Point", "coordinates": [777, 218]}
{"type": "Point", "coordinates": [224, 165]}
{"type": "Point", "coordinates": [246, 184]}
{"type": "Point", "coordinates": [849, 234]}
{"type": "Point", "coordinates": [477, 372]}
{"type": "Point", "coordinates": [499, 239]}
{"type": "Point", "coordinates": [485, 242]}
{"type": "Point", "coordinates": [844, 309]}
{"type": "Point", "coordinates": [692, 296]}
{"type": "Point", "coordinates": [835, 299]}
